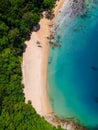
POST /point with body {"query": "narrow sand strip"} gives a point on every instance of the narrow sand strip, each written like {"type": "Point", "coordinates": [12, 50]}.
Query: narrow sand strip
{"type": "Point", "coordinates": [34, 67]}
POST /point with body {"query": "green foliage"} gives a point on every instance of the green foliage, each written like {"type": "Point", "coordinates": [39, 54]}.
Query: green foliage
{"type": "Point", "coordinates": [3, 29]}
{"type": "Point", "coordinates": [27, 18]}
{"type": "Point", "coordinates": [49, 4]}
{"type": "Point", "coordinates": [13, 36]}
{"type": "Point", "coordinates": [3, 42]}
{"type": "Point", "coordinates": [17, 18]}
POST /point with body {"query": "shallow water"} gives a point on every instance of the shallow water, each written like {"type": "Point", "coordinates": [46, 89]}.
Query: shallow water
{"type": "Point", "coordinates": [73, 68]}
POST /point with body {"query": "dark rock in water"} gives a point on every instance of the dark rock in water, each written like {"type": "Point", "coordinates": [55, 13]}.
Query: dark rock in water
{"type": "Point", "coordinates": [49, 62]}
{"type": "Point", "coordinates": [96, 99]}
{"type": "Point", "coordinates": [76, 30]}
{"type": "Point", "coordinates": [93, 128]}
{"type": "Point", "coordinates": [78, 7]}
{"type": "Point", "coordinates": [94, 68]}
{"type": "Point", "coordinates": [56, 44]}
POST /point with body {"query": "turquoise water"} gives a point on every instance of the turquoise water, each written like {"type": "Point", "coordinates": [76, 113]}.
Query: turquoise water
{"type": "Point", "coordinates": [73, 68]}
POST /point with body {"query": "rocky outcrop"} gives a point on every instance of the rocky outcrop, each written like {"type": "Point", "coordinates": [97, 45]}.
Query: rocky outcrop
{"type": "Point", "coordinates": [78, 7]}
{"type": "Point", "coordinates": [66, 124]}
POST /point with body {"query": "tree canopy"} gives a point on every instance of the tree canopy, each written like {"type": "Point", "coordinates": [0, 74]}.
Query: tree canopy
{"type": "Point", "coordinates": [17, 18]}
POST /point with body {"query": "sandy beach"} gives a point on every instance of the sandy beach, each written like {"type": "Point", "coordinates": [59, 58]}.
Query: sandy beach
{"type": "Point", "coordinates": [34, 66]}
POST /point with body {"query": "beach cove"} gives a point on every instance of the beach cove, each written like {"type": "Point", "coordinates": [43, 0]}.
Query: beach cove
{"type": "Point", "coordinates": [65, 73]}
{"type": "Point", "coordinates": [34, 67]}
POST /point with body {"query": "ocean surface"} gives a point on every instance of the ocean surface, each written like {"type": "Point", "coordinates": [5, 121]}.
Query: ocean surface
{"type": "Point", "coordinates": [73, 67]}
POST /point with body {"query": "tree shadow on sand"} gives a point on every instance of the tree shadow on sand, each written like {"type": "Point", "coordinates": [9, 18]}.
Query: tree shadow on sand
{"type": "Point", "coordinates": [24, 47]}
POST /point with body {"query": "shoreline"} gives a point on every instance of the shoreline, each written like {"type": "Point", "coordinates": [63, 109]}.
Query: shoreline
{"type": "Point", "coordinates": [35, 63]}
{"type": "Point", "coordinates": [34, 69]}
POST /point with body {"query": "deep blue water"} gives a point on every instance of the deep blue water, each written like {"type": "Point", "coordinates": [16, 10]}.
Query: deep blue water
{"type": "Point", "coordinates": [73, 68]}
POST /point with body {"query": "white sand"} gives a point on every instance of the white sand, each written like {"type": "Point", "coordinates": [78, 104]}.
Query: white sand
{"type": "Point", "coordinates": [34, 67]}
